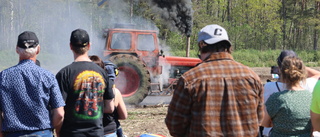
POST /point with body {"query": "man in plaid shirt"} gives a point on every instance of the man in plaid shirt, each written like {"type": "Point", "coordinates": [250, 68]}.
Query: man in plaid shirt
{"type": "Point", "coordinates": [218, 98]}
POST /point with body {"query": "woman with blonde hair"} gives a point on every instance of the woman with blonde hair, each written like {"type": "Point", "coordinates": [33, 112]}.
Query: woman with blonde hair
{"type": "Point", "coordinates": [288, 111]}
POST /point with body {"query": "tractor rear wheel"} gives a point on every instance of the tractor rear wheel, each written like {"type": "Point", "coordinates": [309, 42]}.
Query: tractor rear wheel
{"type": "Point", "coordinates": [133, 80]}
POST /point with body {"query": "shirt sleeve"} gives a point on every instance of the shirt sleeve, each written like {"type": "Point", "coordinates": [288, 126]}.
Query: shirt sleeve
{"type": "Point", "coordinates": [56, 99]}
{"type": "Point", "coordinates": [178, 116]}
{"type": "Point", "coordinates": [268, 90]}
{"type": "Point", "coordinates": [274, 104]}
{"type": "Point", "coordinates": [62, 83]}
{"type": "Point", "coordinates": [315, 106]}
{"type": "Point", "coordinates": [260, 108]}
{"type": "Point", "coordinates": [108, 93]}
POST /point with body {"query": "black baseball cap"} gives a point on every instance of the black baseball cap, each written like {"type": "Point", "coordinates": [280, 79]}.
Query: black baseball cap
{"type": "Point", "coordinates": [27, 39]}
{"type": "Point", "coordinates": [285, 53]}
{"type": "Point", "coordinates": [79, 38]}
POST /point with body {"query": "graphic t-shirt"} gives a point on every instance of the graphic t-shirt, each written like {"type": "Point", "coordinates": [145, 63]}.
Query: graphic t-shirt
{"type": "Point", "coordinates": [84, 86]}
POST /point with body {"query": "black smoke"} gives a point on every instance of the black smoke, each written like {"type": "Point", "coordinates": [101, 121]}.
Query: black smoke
{"type": "Point", "coordinates": [176, 13]}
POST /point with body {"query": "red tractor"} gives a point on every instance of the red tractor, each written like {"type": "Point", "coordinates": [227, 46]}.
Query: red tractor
{"type": "Point", "coordinates": [143, 69]}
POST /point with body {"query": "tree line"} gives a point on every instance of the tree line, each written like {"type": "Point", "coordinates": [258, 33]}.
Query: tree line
{"type": "Point", "coordinates": [251, 24]}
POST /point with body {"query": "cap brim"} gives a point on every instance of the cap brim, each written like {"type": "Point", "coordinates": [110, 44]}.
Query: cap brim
{"type": "Point", "coordinates": [216, 40]}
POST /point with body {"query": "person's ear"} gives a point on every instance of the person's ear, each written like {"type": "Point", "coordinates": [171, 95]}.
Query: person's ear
{"type": "Point", "coordinates": [202, 44]}
{"type": "Point", "coordinates": [89, 45]}
{"type": "Point", "coordinates": [38, 49]}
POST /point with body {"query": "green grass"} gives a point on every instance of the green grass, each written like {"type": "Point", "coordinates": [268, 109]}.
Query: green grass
{"type": "Point", "coordinates": [251, 58]}
{"type": "Point", "coordinates": [267, 58]}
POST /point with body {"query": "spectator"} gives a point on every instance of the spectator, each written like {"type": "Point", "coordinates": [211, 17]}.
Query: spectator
{"type": "Point", "coordinates": [120, 107]}
{"type": "Point", "coordinates": [220, 97]}
{"type": "Point", "coordinates": [288, 111]}
{"type": "Point", "coordinates": [315, 110]}
{"type": "Point", "coordinates": [120, 112]}
{"type": "Point", "coordinates": [86, 89]}
{"type": "Point", "coordinates": [96, 59]}
{"type": "Point", "coordinates": [273, 87]}
{"type": "Point", "coordinates": [30, 100]}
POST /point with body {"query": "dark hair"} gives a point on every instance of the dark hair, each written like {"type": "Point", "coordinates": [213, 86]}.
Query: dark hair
{"type": "Point", "coordinates": [284, 54]}
{"type": "Point", "coordinates": [220, 46]}
{"type": "Point", "coordinates": [96, 59]}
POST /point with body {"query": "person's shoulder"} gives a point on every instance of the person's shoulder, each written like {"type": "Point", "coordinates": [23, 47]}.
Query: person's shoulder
{"type": "Point", "coordinates": [276, 95]}
{"type": "Point", "coordinates": [281, 94]}
{"type": "Point", "coordinates": [193, 72]}
{"type": "Point", "coordinates": [270, 85]}
{"type": "Point", "coordinates": [65, 68]}
{"type": "Point", "coordinates": [312, 80]}
{"type": "Point", "coordinates": [45, 71]}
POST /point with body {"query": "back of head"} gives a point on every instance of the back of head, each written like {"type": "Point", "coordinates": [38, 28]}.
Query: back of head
{"type": "Point", "coordinates": [215, 39]}
{"type": "Point", "coordinates": [96, 59]}
{"type": "Point", "coordinates": [292, 71]}
{"type": "Point", "coordinates": [28, 44]}
{"type": "Point", "coordinates": [79, 40]}
{"type": "Point", "coordinates": [284, 54]}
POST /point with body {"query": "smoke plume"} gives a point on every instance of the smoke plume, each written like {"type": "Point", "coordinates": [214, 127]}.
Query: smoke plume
{"type": "Point", "coordinates": [176, 13]}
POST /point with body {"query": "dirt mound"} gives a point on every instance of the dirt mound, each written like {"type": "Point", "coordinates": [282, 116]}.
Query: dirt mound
{"type": "Point", "coordinates": [264, 73]}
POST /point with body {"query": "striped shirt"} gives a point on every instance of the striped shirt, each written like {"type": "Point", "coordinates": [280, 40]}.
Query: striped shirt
{"type": "Point", "coordinates": [218, 98]}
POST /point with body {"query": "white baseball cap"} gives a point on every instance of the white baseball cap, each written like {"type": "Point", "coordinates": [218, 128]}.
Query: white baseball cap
{"type": "Point", "coordinates": [212, 34]}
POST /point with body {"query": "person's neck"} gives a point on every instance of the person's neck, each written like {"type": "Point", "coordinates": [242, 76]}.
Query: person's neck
{"type": "Point", "coordinates": [296, 87]}
{"type": "Point", "coordinates": [31, 58]}
{"type": "Point", "coordinates": [83, 57]}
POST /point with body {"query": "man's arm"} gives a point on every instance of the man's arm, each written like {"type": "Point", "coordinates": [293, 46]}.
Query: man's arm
{"type": "Point", "coordinates": [260, 109]}
{"type": "Point", "coordinates": [57, 119]}
{"type": "Point", "coordinates": [108, 97]}
{"type": "Point", "coordinates": [178, 116]}
{"type": "Point", "coordinates": [315, 119]}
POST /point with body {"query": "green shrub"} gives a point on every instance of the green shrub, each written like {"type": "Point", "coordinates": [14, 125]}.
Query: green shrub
{"type": "Point", "coordinates": [251, 58]}
{"type": "Point", "coordinates": [257, 58]}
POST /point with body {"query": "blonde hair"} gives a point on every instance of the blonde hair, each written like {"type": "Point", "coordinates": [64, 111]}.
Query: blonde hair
{"type": "Point", "coordinates": [292, 71]}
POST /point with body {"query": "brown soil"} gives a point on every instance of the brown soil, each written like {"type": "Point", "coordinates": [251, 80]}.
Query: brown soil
{"type": "Point", "coordinates": [145, 120]}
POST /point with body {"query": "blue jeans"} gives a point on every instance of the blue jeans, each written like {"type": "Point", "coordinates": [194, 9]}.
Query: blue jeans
{"type": "Point", "coordinates": [42, 133]}
{"type": "Point", "coordinates": [119, 132]}
{"type": "Point", "coordinates": [114, 134]}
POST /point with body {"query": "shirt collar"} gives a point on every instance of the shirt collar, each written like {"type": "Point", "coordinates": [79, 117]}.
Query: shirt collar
{"type": "Point", "coordinates": [219, 55]}
{"type": "Point", "coordinates": [26, 61]}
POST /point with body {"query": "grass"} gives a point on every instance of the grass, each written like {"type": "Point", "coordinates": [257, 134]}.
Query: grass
{"type": "Point", "coordinates": [267, 58]}
{"type": "Point", "coordinates": [252, 58]}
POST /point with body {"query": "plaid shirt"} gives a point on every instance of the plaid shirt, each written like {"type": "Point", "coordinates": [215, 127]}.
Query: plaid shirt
{"type": "Point", "coordinates": [218, 98]}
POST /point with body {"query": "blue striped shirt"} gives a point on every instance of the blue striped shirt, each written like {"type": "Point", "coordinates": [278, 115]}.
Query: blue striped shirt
{"type": "Point", "coordinates": [27, 94]}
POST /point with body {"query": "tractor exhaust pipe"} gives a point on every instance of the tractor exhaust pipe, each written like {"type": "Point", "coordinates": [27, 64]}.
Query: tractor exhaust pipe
{"type": "Point", "coordinates": [188, 46]}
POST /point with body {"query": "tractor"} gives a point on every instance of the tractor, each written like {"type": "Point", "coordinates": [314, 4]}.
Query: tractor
{"type": "Point", "coordinates": [143, 68]}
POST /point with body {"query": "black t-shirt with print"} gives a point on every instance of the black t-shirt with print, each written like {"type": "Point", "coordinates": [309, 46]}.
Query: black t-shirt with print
{"type": "Point", "coordinates": [84, 86]}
